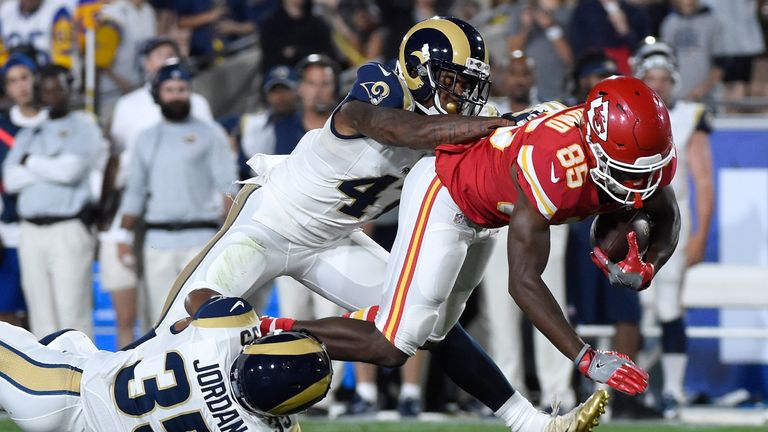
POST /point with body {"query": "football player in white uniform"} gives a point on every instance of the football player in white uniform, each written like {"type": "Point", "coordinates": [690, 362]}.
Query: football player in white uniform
{"type": "Point", "coordinates": [655, 64]}
{"type": "Point", "coordinates": [304, 221]}
{"type": "Point", "coordinates": [211, 372]}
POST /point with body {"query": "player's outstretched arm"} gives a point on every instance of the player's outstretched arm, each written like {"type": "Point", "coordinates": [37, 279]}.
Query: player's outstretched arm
{"type": "Point", "coordinates": [663, 211]}
{"type": "Point", "coordinates": [527, 254]}
{"type": "Point", "coordinates": [401, 128]}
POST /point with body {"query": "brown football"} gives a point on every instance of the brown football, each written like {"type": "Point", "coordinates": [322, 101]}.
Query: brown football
{"type": "Point", "coordinates": [609, 231]}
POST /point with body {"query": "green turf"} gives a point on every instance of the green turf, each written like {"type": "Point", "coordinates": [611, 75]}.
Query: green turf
{"type": "Point", "coordinates": [460, 426]}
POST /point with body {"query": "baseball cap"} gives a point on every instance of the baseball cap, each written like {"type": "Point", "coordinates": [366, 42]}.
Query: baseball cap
{"type": "Point", "coordinates": [151, 44]}
{"type": "Point", "coordinates": [18, 59]}
{"type": "Point", "coordinates": [279, 75]}
{"type": "Point", "coordinates": [596, 63]}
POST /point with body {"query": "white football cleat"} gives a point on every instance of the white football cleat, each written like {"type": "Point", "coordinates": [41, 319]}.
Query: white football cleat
{"type": "Point", "coordinates": [582, 418]}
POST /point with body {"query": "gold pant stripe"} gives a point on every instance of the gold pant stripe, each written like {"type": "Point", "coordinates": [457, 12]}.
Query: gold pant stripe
{"type": "Point", "coordinates": [38, 378]}
{"type": "Point", "coordinates": [234, 212]}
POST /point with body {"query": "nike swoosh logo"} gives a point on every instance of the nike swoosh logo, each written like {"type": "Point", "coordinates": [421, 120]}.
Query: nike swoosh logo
{"type": "Point", "coordinates": [552, 173]}
{"type": "Point", "coordinates": [239, 303]}
{"type": "Point", "coordinates": [384, 71]}
{"type": "Point", "coordinates": [599, 365]}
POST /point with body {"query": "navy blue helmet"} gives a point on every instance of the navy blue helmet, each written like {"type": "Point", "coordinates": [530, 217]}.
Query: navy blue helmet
{"type": "Point", "coordinates": [282, 373]}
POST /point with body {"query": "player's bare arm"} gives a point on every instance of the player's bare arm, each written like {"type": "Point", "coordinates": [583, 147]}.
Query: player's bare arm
{"type": "Point", "coordinates": [527, 253]}
{"type": "Point", "coordinates": [700, 163]}
{"type": "Point", "coordinates": [662, 209]}
{"type": "Point", "coordinates": [401, 128]}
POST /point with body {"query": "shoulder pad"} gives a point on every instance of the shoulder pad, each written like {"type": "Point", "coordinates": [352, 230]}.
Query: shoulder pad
{"type": "Point", "coordinates": [378, 85]}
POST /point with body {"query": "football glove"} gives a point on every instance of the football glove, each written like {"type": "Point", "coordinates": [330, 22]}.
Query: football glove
{"type": "Point", "coordinates": [632, 272]}
{"type": "Point", "coordinates": [612, 368]}
{"type": "Point", "coordinates": [268, 324]}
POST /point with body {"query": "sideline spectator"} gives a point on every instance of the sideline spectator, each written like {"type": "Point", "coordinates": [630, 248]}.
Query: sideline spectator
{"type": "Point", "coordinates": [742, 42]}
{"type": "Point", "coordinates": [123, 27]}
{"type": "Point", "coordinates": [613, 26]}
{"type": "Point", "coordinates": [696, 36]}
{"type": "Point", "coordinates": [291, 33]}
{"type": "Point", "coordinates": [690, 130]}
{"type": "Point", "coordinates": [134, 113]}
{"type": "Point", "coordinates": [538, 29]}
{"type": "Point", "coordinates": [49, 167]}
{"type": "Point", "coordinates": [199, 17]}
{"type": "Point", "coordinates": [257, 131]}
{"type": "Point", "coordinates": [19, 78]}
{"type": "Point", "coordinates": [180, 174]}
{"type": "Point", "coordinates": [358, 33]}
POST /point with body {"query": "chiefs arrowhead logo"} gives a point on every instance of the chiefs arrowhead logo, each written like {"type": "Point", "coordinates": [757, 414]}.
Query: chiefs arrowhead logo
{"type": "Point", "coordinates": [597, 116]}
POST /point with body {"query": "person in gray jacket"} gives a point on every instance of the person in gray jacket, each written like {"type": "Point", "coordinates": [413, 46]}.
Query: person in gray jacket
{"type": "Point", "coordinates": [49, 167]}
{"type": "Point", "coordinates": [178, 184]}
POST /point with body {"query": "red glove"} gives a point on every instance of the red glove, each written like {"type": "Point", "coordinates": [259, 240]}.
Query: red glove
{"type": "Point", "coordinates": [268, 324]}
{"type": "Point", "coordinates": [612, 368]}
{"type": "Point", "coordinates": [632, 272]}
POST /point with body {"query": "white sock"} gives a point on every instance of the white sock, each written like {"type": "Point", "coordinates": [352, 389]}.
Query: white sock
{"type": "Point", "coordinates": [520, 416]}
{"type": "Point", "coordinates": [673, 367]}
{"type": "Point", "coordinates": [410, 390]}
{"type": "Point", "coordinates": [367, 391]}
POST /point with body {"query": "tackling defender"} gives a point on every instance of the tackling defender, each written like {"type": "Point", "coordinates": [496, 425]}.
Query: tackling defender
{"type": "Point", "coordinates": [613, 152]}
{"type": "Point", "coordinates": [304, 220]}
{"type": "Point", "coordinates": [213, 372]}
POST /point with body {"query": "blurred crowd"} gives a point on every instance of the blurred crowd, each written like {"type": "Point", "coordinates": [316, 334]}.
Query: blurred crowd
{"type": "Point", "coordinates": [142, 178]}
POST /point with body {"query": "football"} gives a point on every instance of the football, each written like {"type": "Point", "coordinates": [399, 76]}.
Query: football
{"type": "Point", "coordinates": [609, 232]}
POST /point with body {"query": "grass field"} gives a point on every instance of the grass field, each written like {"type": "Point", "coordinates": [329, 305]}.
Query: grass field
{"type": "Point", "coordinates": [345, 426]}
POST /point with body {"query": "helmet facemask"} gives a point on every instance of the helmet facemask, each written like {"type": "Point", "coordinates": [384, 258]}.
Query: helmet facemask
{"type": "Point", "coordinates": [627, 183]}
{"type": "Point", "coordinates": [469, 85]}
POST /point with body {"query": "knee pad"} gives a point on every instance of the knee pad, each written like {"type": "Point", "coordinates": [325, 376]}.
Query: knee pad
{"type": "Point", "coordinates": [673, 338]}
{"type": "Point", "coordinates": [236, 265]}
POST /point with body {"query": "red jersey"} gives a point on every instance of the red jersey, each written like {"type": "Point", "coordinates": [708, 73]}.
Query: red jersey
{"type": "Point", "coordinates": [552, 167]}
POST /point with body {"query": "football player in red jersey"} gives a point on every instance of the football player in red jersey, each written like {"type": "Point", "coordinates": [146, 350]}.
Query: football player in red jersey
{"type": "Point", "coordinates": [613, 152]}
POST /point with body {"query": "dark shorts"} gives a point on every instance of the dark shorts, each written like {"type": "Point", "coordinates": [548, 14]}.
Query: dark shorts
{"type": "Point", "coordinates": [738, 68]}
{"type": "Point", "coordinates": [11, 296]}
{"type": "Point", "coordinates": [591, 298]}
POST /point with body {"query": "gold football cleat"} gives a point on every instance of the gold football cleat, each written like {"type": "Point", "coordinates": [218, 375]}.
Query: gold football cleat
{"type": "Point", "coordinates": [582, 418]}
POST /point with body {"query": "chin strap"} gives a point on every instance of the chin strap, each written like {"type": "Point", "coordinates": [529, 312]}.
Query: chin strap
{"type": "Point", "coordinates": [638, 201]}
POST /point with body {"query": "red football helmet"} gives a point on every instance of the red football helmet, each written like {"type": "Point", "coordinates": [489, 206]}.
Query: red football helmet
{"type": "Point", "coordinates": [627, 127]}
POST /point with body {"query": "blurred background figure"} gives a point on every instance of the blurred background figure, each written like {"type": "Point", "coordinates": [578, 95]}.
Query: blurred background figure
{"type": "Point", "coordinates": [133, 113]}
{"type": "Point", "coordinates": [538, 28]}
{"type": "Point", "coordinates": [516, 84]}
{"type": "Point", "coordinates": [49, 168]}
{"type": "Point", "coordinates": [696, 36]}
{"type": "Point", "coordinates": [358, 32]}
{"type": "Point", "coordinates": [614, 27]}
{"type": "Point", "coordinates": [257, 130]}
{"type": "Point", "coordinates": [19, 77]}
{"type": "Point", "coordinates": [742, 41]}
{"type": "Point", "coordinates": [655, 64]}
{"type": "Point", "coordinates": [291, 33]}
{"type": "Point", "coordinates": [123, 27]}
{"type": "Point", "coordinates": [180, 175]}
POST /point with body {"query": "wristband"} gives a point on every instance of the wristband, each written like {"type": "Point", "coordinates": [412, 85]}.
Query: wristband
{"type": "Point", "coordinates": [581, 353]}
{"type": "Point", "coordinates": [554, 32]}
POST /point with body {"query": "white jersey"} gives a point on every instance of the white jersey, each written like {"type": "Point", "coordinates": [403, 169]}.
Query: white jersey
{"type": "Point", "coordinates": [685, 117]}
{"type": "Point", "coordinates": [50, 29]}
{"type": "Point", "coordinates": [331, 185]}
{"type": "Point", "coordinates": [177, 381]}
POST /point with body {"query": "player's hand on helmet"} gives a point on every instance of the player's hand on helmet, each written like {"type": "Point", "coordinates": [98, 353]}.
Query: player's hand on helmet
{"type": "Point", "coordinates": [632, 272]}
{"type": "Point", "coordinates": [612, 368]}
